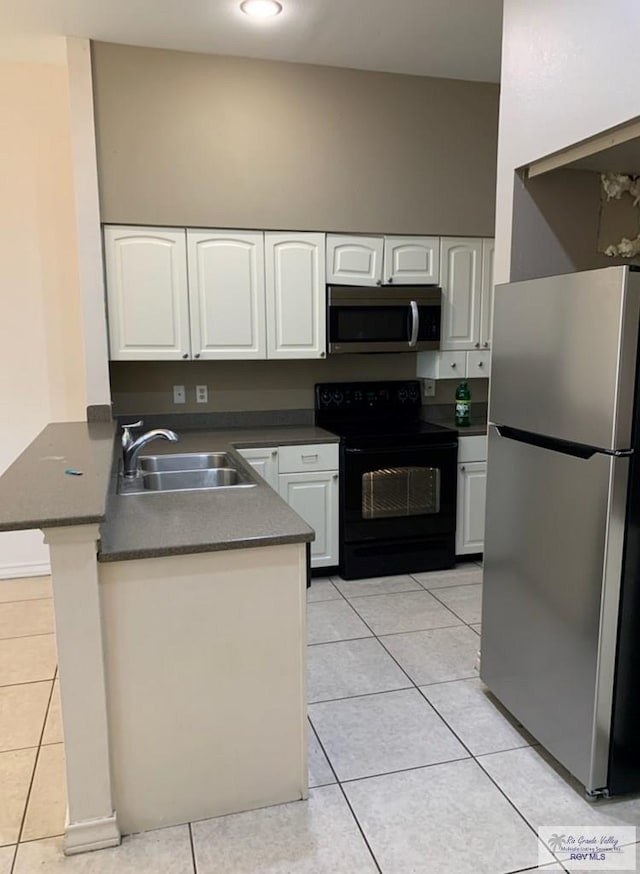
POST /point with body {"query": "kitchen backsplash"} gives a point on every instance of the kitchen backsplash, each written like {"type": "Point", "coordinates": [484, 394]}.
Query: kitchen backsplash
{"type": "Point", "coordinates": [147, 386]}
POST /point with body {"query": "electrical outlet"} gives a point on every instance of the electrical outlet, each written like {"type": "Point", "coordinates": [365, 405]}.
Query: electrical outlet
{"type": "Point", "coordinates": [202, 394]}
{"type": "Point", "coordinates": [428, 388]}
{"type": "Point", "coordinates": [179, 394]}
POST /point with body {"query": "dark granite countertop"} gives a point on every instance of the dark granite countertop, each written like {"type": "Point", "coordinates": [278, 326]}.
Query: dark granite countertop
{"type": "Point", "coordinates": [444, 414]}
{"type": "Point", "coordinates": [35, 491]}
{"type": "Point", "coordinates": [176, 523]}
{"type": "Point", "coordinates": [475, 429]}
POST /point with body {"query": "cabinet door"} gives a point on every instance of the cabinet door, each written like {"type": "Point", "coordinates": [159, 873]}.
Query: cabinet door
{"type": "Point", "coordinates": [411, 260]}
{"type": "Point", "coordinates": [488, 248]}
{"type": "Point", "coordinates": [472, 481]}
{"type": "Point", "coordinates": [296, 295]}
{"type": "Point", "coordinates": [354, 260]}
{"type": "Point", "coordinates": [226, 294]}
{"type": "Point", "coordinates": [265, 462]}
{"type": "Point", "coordinates": [461, 281]}
{"type": "Point", "coordinates": [147, 302]}
{"type": "Point", "coordinates": [314, 496]}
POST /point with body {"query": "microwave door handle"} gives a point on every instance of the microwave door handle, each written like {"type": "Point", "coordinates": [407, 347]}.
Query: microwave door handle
{"type": "Point", "coordinates": [415, 323]}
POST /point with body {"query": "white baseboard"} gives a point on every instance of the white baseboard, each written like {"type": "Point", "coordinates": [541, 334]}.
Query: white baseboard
{"type": "Point", "coordinates": [11, 571]}
{"type": "Point", "coordinates": [92, 834]}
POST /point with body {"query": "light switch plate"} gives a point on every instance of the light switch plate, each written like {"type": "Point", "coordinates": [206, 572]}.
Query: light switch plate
{"type": "Point", "coordinates": [179, 394]}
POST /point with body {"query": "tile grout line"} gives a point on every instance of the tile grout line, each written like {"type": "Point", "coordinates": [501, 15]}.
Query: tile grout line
{"type": "Point", "coordinates": [193, 849]}
{"type": "Point", "coordinates": [31, 781]}
{"type": "Point", "coordinates": [344, 795]}
{"type": "Point", "coordinates": [359, 695]}
{"type": "Point", "coordinates": [24, 600]}
{"type": "Point", "coordinates": [28, 682]}
{"type": "Point", "coordinates": [451, 608]}
{"type": "Point", "coordinates": [24, 636]}
{"type": "Point", "coordinates": [471, 756]}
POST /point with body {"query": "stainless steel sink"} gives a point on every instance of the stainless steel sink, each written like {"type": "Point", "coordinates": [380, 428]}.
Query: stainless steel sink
{"type": "Point", "coordinates": [185, 461]}
{"type": "Point", "coordinates": [185, 472]}
{"type": "Point", "coordinates": [179, 480]}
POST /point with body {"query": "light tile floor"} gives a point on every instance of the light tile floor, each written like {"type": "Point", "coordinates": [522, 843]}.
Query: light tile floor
{"type": "Point", "coordinates": [413, 766]}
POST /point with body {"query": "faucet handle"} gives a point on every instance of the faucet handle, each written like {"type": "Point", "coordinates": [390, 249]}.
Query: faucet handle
{"type": "Point", "coordinates": [126, 432]}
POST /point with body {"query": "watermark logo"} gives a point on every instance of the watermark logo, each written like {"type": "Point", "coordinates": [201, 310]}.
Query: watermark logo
{"type": "Point", "coordinates": [591, 848]}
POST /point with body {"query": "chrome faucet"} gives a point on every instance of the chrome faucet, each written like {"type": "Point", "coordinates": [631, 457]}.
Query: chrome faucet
{"type": "Point", "coordinates": [131, 448]}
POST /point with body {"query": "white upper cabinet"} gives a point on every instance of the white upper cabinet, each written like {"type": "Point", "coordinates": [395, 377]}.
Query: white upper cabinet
{"type": "Point", "coordinates": [226, 294]}
{"type": "Point", "coordinates": [411, 260]}
{"type": "Point", "coordinates": [461, 281]}
{"type": "Point", "coordinates": [296, 295]}
{"type": "Point", "coordinates": [486, 318]}
{"type": "Point", "coordinates": [146, 272]}
{"type": "Point", "coordinates": [354, 260]}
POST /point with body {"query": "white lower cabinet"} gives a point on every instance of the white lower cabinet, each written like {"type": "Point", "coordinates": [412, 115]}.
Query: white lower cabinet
{"type": "Point", "coordinates": [314, 497]}
{"type": "Point", "coordinates": [306, 477]}
{"type": "Point", "coordinates": [472, 482]}
{"type": "Point", "coordinates": [265, 462]}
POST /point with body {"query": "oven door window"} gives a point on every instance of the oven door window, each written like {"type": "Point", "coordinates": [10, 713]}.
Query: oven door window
{"type": "Point", "coordinates": [400, 491]}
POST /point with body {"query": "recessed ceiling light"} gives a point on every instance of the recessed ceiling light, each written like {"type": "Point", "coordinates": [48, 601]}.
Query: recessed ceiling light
{"type": "Point", "coordinates": [261, 8]}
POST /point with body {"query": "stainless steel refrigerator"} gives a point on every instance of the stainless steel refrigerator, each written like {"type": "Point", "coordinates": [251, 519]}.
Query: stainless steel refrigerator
{"type": "Point", "coordinates": [561, 601]}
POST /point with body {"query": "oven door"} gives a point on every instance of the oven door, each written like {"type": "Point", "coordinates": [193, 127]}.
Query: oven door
{"type": "Point", "coordinates": [398, 492]}
{"type": "Point", "coordinates": [380, 320]}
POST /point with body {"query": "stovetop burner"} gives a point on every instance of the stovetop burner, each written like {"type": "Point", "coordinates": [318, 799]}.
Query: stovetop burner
{"type": "Point", "coordinates": [384, 410]}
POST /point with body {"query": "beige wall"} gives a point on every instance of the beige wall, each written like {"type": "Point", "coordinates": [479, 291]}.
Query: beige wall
{"type": "Point", "coordinates": [569, 72]}
{"type": "Point", "coordinates": [41, 349]}
{"type": "Point", "coordinates": [193, 139]}
{"type": "Point", "coordinates": [146, 386]}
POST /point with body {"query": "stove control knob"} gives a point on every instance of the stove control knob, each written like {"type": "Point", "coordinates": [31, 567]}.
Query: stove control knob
{"type": "Point", "coordinates": [402, 395]}
{"type": "Point", "coordinates": [338, 397]}
{"type": "Point", "coordinates": [325, 398]}
{"type": "Point", "coordinates": [413, 394]}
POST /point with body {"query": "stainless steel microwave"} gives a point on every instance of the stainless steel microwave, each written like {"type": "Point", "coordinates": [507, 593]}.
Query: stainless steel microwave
{"type": "Point", "coordinates": [383, 319]}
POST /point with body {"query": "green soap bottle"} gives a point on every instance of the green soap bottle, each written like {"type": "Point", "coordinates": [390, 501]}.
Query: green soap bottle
{"type": "Point", "coordinates": [463, 405]}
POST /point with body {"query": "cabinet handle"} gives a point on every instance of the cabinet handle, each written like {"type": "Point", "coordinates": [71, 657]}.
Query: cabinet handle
{"type": "Point", "coordinates": [390, 280]}
{"type": "Point", "coordinates": [477, 345]}
{"type": "Point", "coordinates": [335, 476]}
{"type": "Point", "coordinates": [197, 355]}
{"type": "Point", "coordinates": [323, 354]}
{"type": "Point", "coordinates": [453, 364]}
{"type": "Point", "coordinates": [462, 468]}
{"type": "Point", "coordinates": [309, 459]}
{"type": "Point", "coordinates": [378, 282]}
{"type": "Point", "coordinates": [480, 363]}
{"type": "Point", "coordinates": [186, 355]}
{"type": "Point", "coordinates": [486, 345]}
{"type": "Point", "coordinates": [274, 453]}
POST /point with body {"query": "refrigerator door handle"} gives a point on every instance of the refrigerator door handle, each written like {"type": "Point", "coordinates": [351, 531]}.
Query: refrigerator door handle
{"type": "Point", "coordinates": [555, 444]}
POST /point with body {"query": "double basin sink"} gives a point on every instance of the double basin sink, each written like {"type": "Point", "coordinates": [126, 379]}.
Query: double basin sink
{"type": "Point", "coordinates": [185, 472]}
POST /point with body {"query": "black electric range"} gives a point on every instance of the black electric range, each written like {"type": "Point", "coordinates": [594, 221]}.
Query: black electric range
{"type": "Point", "coordinates": [397, 478]}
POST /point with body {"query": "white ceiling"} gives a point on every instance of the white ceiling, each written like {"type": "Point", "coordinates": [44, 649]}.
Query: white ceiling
{"type": "Point", "coordinates": [451, 38]}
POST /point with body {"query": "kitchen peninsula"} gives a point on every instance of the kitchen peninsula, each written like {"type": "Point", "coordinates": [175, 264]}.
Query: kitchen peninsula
{"type": "Point", "coordinates": [180, 624]}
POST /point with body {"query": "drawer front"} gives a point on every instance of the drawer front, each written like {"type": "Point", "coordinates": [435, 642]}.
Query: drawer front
{"type": "Point", "coordinates": [313, 456]}
{"type": "Point", "coordinates": [472, 448]}
{"type": "Point", "coordinates": [478, 364]}
{"type": "Point", "coordinates": [452, 365]}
